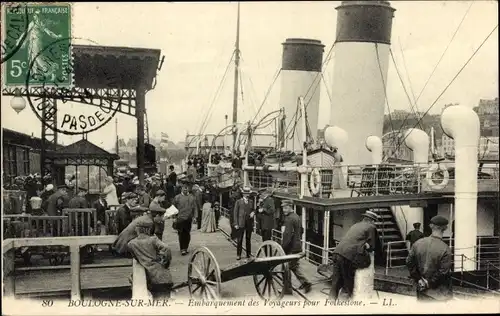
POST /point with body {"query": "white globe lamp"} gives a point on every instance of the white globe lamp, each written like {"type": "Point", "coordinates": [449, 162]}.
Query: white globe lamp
{"type": "Point", "coordinates": [17, 102]}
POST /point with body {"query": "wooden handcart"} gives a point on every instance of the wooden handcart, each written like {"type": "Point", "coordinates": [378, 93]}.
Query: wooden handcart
{"type": "Point", "coordinates": [269, 269]}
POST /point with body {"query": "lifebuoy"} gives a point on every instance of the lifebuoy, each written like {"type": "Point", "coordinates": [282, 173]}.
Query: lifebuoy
{"type": "Point", "coordinates": [315, 181]}
{"type": "Point", "coordinates": [431, 171]}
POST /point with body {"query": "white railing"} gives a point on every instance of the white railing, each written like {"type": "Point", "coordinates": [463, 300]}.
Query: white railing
{"type": "Point", "coordinates": [490, 269]}
{"type": "Point", "coordinates": [390, 256]}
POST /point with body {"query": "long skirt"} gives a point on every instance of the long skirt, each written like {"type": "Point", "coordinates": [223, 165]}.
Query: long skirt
{"type": "Point", "coordinates": [208, 223]}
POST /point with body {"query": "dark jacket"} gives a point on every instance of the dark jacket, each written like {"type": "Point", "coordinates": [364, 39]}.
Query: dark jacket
{"type": "Point", "coordinates": [241, 213]}
{"type": "Point", "coordinates": [186, 205]}
{"type": "Point", "coordinates": [430, 258]}
{"type": "Point", "coordinates": [56, 202]}
{"type": "Point", "coordinates": [78, 202]}
{"type": "Point", "coordinates": [292, 233]}
{"type": "Point", "coordinates": [267, 221]}
{"type": "Point", "coordinates": [353, 242]}
{"type": "Point", "coordinates": [147, 250]}
{"type": "Point", "coordinates": [413, 236]}
{"type": "Point", "coordinates": [100, 208]}
{"type": "Point", "coordinates": [144, 200]}
{"type": "Point", "coordinates": [129, 233]}
{"type": "Point", "coordinates": [123, 218]}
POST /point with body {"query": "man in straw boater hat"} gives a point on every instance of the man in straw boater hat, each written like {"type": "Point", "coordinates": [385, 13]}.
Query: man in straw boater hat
{"type": "Point", "coordinates": [352, 253]}
{"type": "Point", "coordinates": [243, 223]}
{"type": "Point", "coordinates": [154, 256]}
{"type": "Point", "coordinates": [430, 261]}
{"type": "Point", "coordinates": [266, 214]}
{"type": "Point", "coordinates": [292, 232]}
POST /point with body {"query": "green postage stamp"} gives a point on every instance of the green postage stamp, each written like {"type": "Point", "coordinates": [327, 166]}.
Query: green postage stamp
{"type": "Point", "coordinates": [39, 39]}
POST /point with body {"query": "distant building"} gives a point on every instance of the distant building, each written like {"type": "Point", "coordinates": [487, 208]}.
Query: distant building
{"type": "Point", "coordinates": [487, 111]}
{"type": "Point", "coordinates": [488, 146]}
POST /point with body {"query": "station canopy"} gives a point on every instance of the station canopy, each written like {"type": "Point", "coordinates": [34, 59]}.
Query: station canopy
{"type": "Point", "coordinates": [97, 67]}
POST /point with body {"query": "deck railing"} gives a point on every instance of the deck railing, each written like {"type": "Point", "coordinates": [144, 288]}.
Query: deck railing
{"type": "Point", "coordinates": [390, 256]}
{"type": "Point", "coordinates": [383, 179]}
{"type": "Point", "coordinates": [23, 226]}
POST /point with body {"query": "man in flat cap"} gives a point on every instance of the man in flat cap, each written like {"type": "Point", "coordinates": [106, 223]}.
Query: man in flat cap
{"type": "Point", "coordinates": [352, 253]}
{"type": "Point", "coordinates": [266, 215]}
{"type": "Point", "coordinates": [157, 211]}
{"type": "Point", "coordinates": [154, 256]}
{"type": "Point", "coordinates": [415, 234]}
{"type": "Point", "coordinates": [429, 263]}
{"type": "Point", "coordinates": [243, 223]}
{"type": "Point", "coordinates": [123, 213]}
{"type": "Point", "coordinates": [129, 233]}
{"type": "Point", "coordinates": [57, 201]}
{"type": "Point", "coordinates": [100, 208]}
{"type": "Point", "coordinates": [292, 232]}
{"type": "Point", "coordinates": [144, 197]}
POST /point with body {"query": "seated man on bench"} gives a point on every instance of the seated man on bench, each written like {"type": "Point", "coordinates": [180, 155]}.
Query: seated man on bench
{"type": "Point", "coordinates": [154, 256]}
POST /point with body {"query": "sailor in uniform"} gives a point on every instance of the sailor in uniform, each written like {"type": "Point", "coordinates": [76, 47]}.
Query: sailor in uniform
{"type": "Point", "coordinates": [415, 234]}
{"type": "Point", "coordinates": [352, 253]}
{"type": "Point", "coordinates": [429, 263]}
{"type": "Point", "coordinates": [292, 232]}
{"type": "Point", "coordinates": [154, 256]}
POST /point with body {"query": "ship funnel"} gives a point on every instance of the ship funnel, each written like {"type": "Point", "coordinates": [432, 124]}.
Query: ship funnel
{"type": "Point", "coordinates": [418, 141]}
{"type": "Point", "coordinates": [360, 73]}
{"type": "Point", "coordinates": [301, 76]}
{"type": "Point", "coordinates": [462, 124]}
{"type": "Point", "coordinates": [374, 145]}
{"type": "Point", "coordinates": [336, 137]}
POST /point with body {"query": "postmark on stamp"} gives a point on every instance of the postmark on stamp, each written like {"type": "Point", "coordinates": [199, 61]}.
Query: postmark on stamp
{"type": "Point", "coordinates": [44, 24]}
{"type": "Point", "coordinates": [14, 29]}
{"type": "Point", "coordinates": [54, 103]}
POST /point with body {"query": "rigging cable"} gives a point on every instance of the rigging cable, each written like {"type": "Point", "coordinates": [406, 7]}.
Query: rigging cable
{"type": "Point", "coordinates": [441, 58]}
{"type": "Point", "coordinates": [278, 72]}
{"type": "Point", "coordinates": [404, 87]}
{"type": "Point", "coordinates": [385, 90]}
{"type": "Point", "coordinates": [456, 76]}
{"type": "Point", "coordinates": [209, 114]}
{"type": "Point", "coordinates": [408, 75]}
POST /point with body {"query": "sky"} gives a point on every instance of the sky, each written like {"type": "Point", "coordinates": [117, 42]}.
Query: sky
{"type": "Point", "coordinates": [197, 40]}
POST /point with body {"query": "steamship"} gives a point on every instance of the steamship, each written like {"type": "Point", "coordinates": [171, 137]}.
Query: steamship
{"type": "Point", "coordinates": [330, 194]}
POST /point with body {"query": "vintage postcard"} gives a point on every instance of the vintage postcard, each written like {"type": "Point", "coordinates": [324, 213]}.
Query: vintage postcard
{"type": "Point", "coordinates": [319, 157]}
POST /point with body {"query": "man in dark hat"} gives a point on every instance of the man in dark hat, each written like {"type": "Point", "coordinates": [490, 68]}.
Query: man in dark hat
{"type": "Point", "coordinates": [123, 214]}
{"type": "Point", "coordinates": [243, 223]}
{"type": "Point", "coordinates": [415, 234]}
{"type": "Point", "coordinates": [234, 195]}
{"type": "Point", "coordinates": [154, 256]}
{"type": "Point", "coordinates": [186, 204]}
{"type": "Point", "coordinates": [292, 232]}
{"type": "Point", "coordinates": [429, 263]}
{"type": "Point", "coordinates": [79, 201]}
{"type": "Point", "coordinates": [266, 215]}
{"type": "Point", "coordinates": [352, 253]}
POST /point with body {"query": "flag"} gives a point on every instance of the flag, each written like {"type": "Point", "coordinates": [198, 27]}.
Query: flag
{"type": "Point", "coordinates": [164, 140]}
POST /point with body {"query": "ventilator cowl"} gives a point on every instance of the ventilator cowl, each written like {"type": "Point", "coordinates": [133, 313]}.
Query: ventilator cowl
{"type": "Point", "coordinates": [336, 137]}
{"type": "Point", "coordinates": [374, 145]}
{"type": "Point", "coordinates": [418, 141]}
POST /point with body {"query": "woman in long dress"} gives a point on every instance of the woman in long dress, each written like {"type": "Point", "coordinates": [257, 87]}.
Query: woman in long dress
{"type": "Point", "coordinates": [208, 224]}
{"type": "Point", "coordinates": [338, 176]}
{"type": "Point", "coordinates": [110, 191]}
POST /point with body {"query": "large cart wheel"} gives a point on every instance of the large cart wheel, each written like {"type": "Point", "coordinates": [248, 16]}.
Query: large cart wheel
{"type": "Point", "coordinates": [204, 277]}
{"type": "Point", "coordinates": [271, 284]}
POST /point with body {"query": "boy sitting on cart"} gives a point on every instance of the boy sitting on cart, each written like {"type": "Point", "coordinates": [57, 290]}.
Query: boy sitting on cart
{"type": "Point", "coordinates": [154, 256]}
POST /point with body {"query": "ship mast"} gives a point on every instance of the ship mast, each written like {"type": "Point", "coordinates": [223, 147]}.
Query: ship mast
{"type": "Point", "coordinates": [236, 78]}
